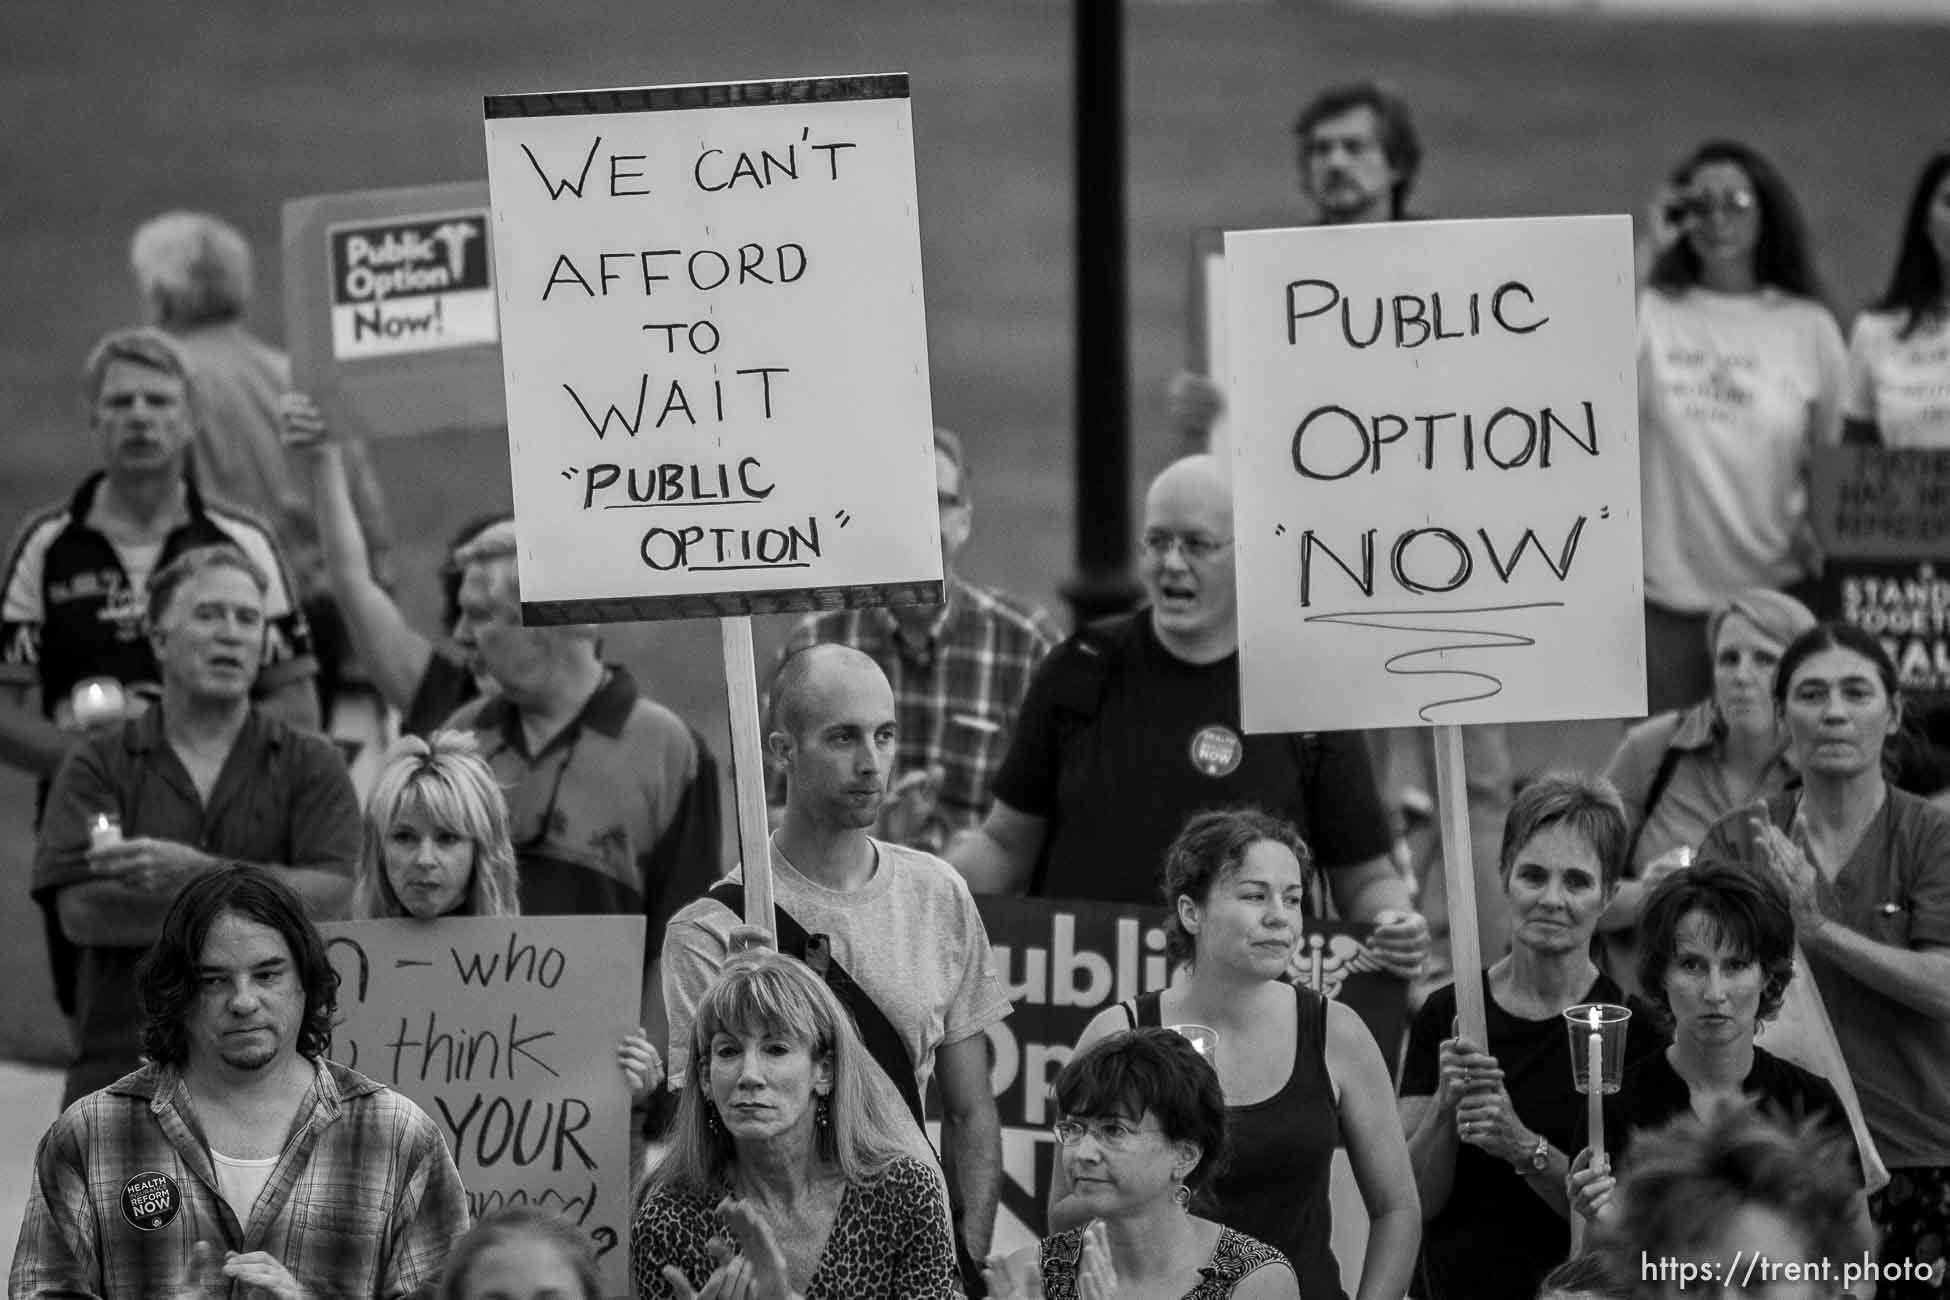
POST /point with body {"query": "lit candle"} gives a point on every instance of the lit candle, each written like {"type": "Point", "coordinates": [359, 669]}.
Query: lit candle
{"type": "Point", "coordinates": [99, 699]}
{"type": "Point", "coordinates": [104, 831]}
{"type": "Point", "coordinates": [1595, 1076]}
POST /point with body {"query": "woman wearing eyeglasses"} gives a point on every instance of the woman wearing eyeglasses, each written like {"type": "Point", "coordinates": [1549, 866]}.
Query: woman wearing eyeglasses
{"type": "Point", "coordinates": [1741, 371]}
{"type": "Point", "coordinates": [436, 845]}
{"type": "Point", "coordinates": [1300, 1074]}
{"type": "Point", "coordinates": [1143, 1129]}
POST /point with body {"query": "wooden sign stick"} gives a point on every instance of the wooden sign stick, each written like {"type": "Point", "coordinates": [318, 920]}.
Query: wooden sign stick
{"type": "Point", "coordinates": [1465, 944]}
{"type": "Point", "coordinates": [748, 772]}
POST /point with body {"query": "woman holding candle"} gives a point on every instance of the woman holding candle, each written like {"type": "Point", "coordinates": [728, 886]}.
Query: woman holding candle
{"type": "Point", "coordinates": [436, 845]}
{"type": "Point", "coordinates": [1866, 868]}
{"type": "Point", "coordinates": [1718, 957]}
{"type": "Point", "coordinates": [1142, 1127]}
{"type": "Point", "coordinates": [1300, 1073]}
{"type": "Point", "coordinates": [1680, 771]}
{"type": "Point", "coordinates": [1489, 1125]}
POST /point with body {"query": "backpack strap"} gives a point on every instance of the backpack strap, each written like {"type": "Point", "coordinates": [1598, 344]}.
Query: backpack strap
{"type": "Point", "coordinates": [1661, 778]}
{"type": "Point", "coordinates": [883, 1041]}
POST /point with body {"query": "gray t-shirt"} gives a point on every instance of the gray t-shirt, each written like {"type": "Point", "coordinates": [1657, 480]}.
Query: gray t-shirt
{"type": "Point", "coordinates": [911, 937]}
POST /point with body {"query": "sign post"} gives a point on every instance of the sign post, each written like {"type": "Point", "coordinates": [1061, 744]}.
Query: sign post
{"type": "Point", "coordinates": [1436, 488]}
{"type": "Point", "coordinates": [716, 364]}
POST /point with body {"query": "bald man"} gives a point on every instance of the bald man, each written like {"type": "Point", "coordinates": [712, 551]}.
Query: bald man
{"type": "Point", "coordinates": [1132, 725]}
{"type": "Point", "coordinates": [893, 929]}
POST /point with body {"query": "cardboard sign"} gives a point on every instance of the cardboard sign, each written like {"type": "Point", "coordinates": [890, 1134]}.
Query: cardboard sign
{"type": "Point", "coordinates": [504, 1030]}
{"type": "Point", "coordinates": [1880, 503]}
{"type": "Point", "coordinates": [716, 352]}
{"type": "Point", "coordinates": [390, 309]}
{"type": "Point", "coordinates": [1436, 473]}
{"type": "Point", "coordinates": [1064, 962]}
{"type": "Point", "coordinates": [1905, 604]}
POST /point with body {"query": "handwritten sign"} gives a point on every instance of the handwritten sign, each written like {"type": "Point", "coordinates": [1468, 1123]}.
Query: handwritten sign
{"type": "Point", "coordinates": [390, 309]}
{"type": "Point", "coordinates": [1063, 962]}
{"type": "Point", "coordinates": [715, 347]}
{"type": "Point", "coordinates": [504, 1030]}
{"type": "Point", "coordinates": [1436, 473]}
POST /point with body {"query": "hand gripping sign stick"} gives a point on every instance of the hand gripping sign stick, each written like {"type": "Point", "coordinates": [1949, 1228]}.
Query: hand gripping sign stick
{"type": "Point", "coordinates": [748, 780]}
{"type": "Point", "coordinates": [1465, 945]}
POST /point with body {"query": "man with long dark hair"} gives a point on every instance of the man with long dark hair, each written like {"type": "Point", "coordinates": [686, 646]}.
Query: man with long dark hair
{"type": "Point", "coordinates": [239, 1153]}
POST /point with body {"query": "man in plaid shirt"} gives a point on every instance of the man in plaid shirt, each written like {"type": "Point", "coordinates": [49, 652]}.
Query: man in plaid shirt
{"type": "Point", "coordinates": [959, 671]}
{"type": "Point", "coordinates": [239, 1154]}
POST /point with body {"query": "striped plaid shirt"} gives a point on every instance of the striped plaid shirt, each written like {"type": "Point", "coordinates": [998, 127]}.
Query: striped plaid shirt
{"type": "Point", "coordinates": [364, 1200]}
{"type": "Point", "coordinates": [956, 693]}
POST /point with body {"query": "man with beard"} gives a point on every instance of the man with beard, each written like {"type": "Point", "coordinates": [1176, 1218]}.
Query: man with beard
{"type": "Point", "coordinates": [201, 780]}
{"type": "Point", "coordinates": [239, 1160]}
{"type": "Point", "coordinates": [893, 929]}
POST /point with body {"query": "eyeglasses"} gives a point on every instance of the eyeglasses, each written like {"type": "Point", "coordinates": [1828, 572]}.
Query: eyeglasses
{"type": "Point", "coordinates": [1731, 204]}
{"type": "Point", "coordinates": [1157, 543]}
{"type": "Point", "coordinates": [1111, 1134]}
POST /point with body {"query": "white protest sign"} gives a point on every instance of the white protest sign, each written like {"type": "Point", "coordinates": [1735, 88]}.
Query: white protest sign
{"type": "Point", "coordinates": [504, 1030]}
{"type": "Point", "coordinates": [715, 349]}
{"type": "Point", "coordinates": [1436, 473]}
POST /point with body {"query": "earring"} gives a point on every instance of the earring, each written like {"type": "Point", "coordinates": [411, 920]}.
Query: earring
{"type": "Point", "coordinates": [1181, 1195]}
{"type": "Point", "coordinates": [712, 1124]}
{"type": "Point", "coordinates": [823, 1112]}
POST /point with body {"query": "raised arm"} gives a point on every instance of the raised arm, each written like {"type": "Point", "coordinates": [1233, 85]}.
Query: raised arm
{"type": "Point", "coordinates": [394, 654]}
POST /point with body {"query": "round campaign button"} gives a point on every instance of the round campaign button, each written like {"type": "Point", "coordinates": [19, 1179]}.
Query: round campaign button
{"type": "Point", "coordinates": [1217, 750]}
{"type": "Point", "coordinates": [151, 1200]}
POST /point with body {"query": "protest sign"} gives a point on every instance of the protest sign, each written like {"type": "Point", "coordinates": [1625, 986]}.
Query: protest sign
{"type": "Point", "coordinates": [1883, 519]}
{"type": "Point", "coordinates": [390, 309]}
{"type": "Point", "coordinates": [1064, 961]}
{"type": "Point", "coordinates": [504, 1030]}
{"type": "Point", "coordinates": [1436, 478]}
{"type": "Point", "coordinates": [715, 349]}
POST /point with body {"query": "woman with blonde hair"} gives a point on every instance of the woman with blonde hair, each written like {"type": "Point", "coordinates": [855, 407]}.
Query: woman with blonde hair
{"type": "Point", "coordinates": [436, 835]}
{"type": "Point", "coordinates": [437, 845]}
{"type": "Point", "coordinates": [786, 1177]}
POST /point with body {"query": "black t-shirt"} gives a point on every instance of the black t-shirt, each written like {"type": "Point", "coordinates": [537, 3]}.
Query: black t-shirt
{"type": "Point", "coordinates": [1651, 1093]}
{"type": "Point", "coordinates": [1495, 1238]}
{"type": "Point", "coordinates": [1120, 741]}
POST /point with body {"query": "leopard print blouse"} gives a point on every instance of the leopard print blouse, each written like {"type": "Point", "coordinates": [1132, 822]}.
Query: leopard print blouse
{"type": "Point", "coordinates": [889, 1240]}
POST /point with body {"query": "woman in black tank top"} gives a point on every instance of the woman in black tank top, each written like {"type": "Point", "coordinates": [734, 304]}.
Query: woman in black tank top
{"type": "Point", "coordinates": [1300, 1073]}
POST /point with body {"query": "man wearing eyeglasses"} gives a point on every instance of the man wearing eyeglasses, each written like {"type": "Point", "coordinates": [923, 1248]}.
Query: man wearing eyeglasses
{"type": "Point", "coordinates": [959, 672]}
{"type": "Point", "coordinates": [1132, 725]}
{"type": "Point", "coordinates": [612, 798]}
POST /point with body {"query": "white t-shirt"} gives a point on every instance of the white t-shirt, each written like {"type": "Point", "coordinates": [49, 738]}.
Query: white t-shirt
{"type": "Point", "coordinates": [241, 1180]}
{"type": "Point", "coordinates": [1733, 391]}
{"type": "Point", "coordinates": [1902, 386]}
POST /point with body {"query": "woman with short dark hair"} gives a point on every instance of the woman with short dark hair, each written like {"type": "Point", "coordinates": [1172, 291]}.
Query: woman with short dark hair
{"type": "Point", "coordinates": [521, 1252]}
{"type": "Point", "coordinates": [1142, 1128]}
{"type": "Point", "coordinates": [1716, 960]}
{"type": "Point", "coordinates": [1301, 1074]}
{"type": "Point", "coordinates": [1490, 1124]}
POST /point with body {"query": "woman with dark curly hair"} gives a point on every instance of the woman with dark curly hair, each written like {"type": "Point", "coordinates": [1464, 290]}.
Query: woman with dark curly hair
{"type": "Point", "coordinates": [1741, 369]}
{"type": "Point", "coordinates": [1301, 1074]}
{"type": "Point", "coordinates": [1899, 350]}
{"type": "Point", "coordinates": [1141, 1126]}
{"type": "Point", "coordinates": [1716, 960]}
